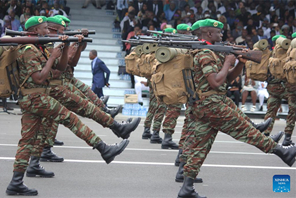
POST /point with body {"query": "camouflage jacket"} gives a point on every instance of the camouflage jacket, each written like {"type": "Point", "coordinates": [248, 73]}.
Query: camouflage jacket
{"type": "Point", "coordinates": [31, 60]}
{"type": "Point", "coordinates": [207, 62]}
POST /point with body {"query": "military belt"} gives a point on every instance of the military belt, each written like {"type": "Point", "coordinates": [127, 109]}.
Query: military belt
{"type": "Point", "coordinates": [35, 90]}
{"type": "Point", "coordinates": [204, 95]}
{"type": "Point", "coordinates": [55, 82]}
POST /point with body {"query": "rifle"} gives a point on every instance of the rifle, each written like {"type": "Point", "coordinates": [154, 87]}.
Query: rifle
{"type": "Point", "coordinates": [24, 33]}
{"type": "Point", "coordinates": [167, 38]}
{"type": "Point", "coordinates": [170, 34]}
{"type": "Point", "coordinates": [39, 40]}
{"type": "Point", "coordinates": [249, 55]}
{"type": "Point", "coordinates": [8, 44]}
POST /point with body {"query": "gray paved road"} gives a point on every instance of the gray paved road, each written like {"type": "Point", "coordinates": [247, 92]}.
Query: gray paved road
{"type": "Point", "coordinates": [232, 169]}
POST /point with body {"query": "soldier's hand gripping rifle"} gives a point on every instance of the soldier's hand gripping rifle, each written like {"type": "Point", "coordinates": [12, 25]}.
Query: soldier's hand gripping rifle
{"type": "Point", "coordinates": [253, 55]}
{"type": "Point", "coordinates": [69, 33]}
{"type": "Point", "coordinates": [39, 40]}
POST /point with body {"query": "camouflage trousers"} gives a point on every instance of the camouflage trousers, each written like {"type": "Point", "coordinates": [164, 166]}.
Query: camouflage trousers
{"type": "Point", "coordinates": [171, 117]}
{"type": "Point", "coordinates": [189, 127]}
{"type": "Point", "coordinates": [82, 90]}
{"type": "Point", "coordinates": [77, 104]}
{"type": "Point", "coordinates": [86, 90]}
{"type": "Point", "coordinates": [35, 107]}
{"type": "Point", "coordinates": [277, 92]}
{"type": "Point", "coordinates": [218, 113]}
{"type": "Point", "coordinates": [156, 110]}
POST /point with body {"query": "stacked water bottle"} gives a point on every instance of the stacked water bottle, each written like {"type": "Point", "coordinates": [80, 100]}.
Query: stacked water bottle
{"type": "Point", "coordinates": [136, 109]}
{"type": "Point", "coordinates": [124, 77]}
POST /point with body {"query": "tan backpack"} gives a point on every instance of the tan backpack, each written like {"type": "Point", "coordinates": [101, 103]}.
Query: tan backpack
{"type": "Point", "coordinates": [146, 64]}
{"type": "Point", "coordinates": [278, 59]}
{"type": "Point", "coordinates": [9, 72]}
{"type": "Point", "coordinates": [290, 66]}
{"type": "Point", "coordinates": [258, 71]}
{"type": "Point", "coordinates": [172, 81]}
{"type": "Point", "coordinates": [132, 63]}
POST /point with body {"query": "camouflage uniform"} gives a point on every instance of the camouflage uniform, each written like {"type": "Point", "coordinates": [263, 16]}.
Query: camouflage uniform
{"type": "Point", "coordinates": [291, 118]}
{"type": "Point", "coordinates": [216, 113]}
{"type": "Point", "coordinates": [37, 106]}
{"type": "Point", "coordinates": [277, 91]}
{"type": "Point", "coordinates": [171, 116]}
{"type": "Point", "coordinates": [156, 110]}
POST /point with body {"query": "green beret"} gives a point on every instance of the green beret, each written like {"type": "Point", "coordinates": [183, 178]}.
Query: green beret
{"type": "Point", "coordinates": [211, 23]}
{"type": "Point", "coordinates": [35, 20]}
{"type": "Point", "coordinates": [63, 18]}
{"type": "Point", "coordinates": [170, 30]}
{"type": "Point", "coordinates": [195, 25]}
{"type": "Point", "coordinates": [277, 36]}
{"type": "Point", "coordinates": [183, 27]}
{"type": "Point", "coordinates": [56, 20]}
{"type": "Point", "coordinates": [294, 35]}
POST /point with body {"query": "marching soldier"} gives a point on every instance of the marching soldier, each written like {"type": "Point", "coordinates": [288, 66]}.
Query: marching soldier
{"type": "Point", "coordinates": [37, 104]}
{"type": "Point", "coordinates": [173, 111]}
{"type": "Point", "coordinates": [277, 92]}
{"type": "Point", "coordinates": [214, 111]}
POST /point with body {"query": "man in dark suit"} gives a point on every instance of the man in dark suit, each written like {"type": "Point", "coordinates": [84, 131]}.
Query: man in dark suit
{"type": "Point", "coordinates": [138, 4]}
{"type": "Point", "coordinates": [98, 69]}
{"type": "Point", "coordinates": [156, 6]}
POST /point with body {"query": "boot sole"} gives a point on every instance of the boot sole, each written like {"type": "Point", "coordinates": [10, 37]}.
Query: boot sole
{"type": "Point", "coordinates": [169, 147]}
{"type": "Point", "coordinates": [108, 161]}
{"type": "Point", "coordinates": [155, 142]}
{"type": "Point", "coordinates": [146, 138]}
{"type": "Point", "coordinates": [36, 175]}
{"type": "Point", "coordinates": [50, 160]}
{"type": "Point", "coordinates": [134, 128]}
{"type": "Point", "coordinates": [177, 164]}
{"type": "Point", "coordinates": [9, 192]}
{"type": "Point", "coordinates": [58, 144]}
{"type": "Point", "coordinates": [182, 180]}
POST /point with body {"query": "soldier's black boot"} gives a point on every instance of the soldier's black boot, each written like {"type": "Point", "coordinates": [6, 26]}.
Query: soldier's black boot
{"type": "Point", "coordinates": [276, 137]}
{"type": "Point", "coordinates": [105, 99]}
{"type": "Point", "coordinates": [112, 112]}
{"type": "Point", "coordinates": [48, 156]}
{"type": "Point", "coordinates": [180, 176]}
{"type": "Point", "coordinates": [108, 152]}
{"type": "Point", "coordinates": [286, 153]}
{"type": "Point", "coordinates": [187, 190]}
{"type": "Point", "coordinates": [17, 186]}
{"type": "Point", "coordinates": [146, 134]}
{"type": "Point", "coordinates": [177, 161]}
{"type": "Point", "coordinates": [287, 141]}
{"type": "Point", "coordinates": [34, 169]}
{"type": "Point", "coordinates": [155, 138]}
{"type": "Point", "coordinates": [168, 142]}
{"type": "Point", "coordinates": [58, 143]}
{"type": "Point", "coordinates": [263, 125]}
{"type": "Point", "coordinates": [124, 130]}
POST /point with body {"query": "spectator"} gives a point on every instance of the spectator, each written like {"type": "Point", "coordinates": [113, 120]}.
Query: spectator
{"type": "Point", "coordinates": [137, 31]}
{"type": "Point", "coordinates": [259, 36]}
{"type": "Point", "coordinates": [15, 23]}
{"type": "Point", "coordinates": [7, 24]}
{"type": "Point", "coordinates": [27, 11]}
{"type": "Point", "coordinates": [170, 10]}
{"type": "Point", "coordinates": [234, 89]}
{"type": "Point", "coordinates": [142, 13]}
{"type": "Point", "coordinates": [57, 10]}
{"type": "Point", "coordinates": [121, 8]}
{"type": "Point", "coordinates": [199, 14]}
{"type": "Point", "coordinates": [14, 6]}
{"type": "Point", "coordinates": [125, 18]}
{"type": "Point", "coordinates": [156, 7]}
{"type": "Point", "coordinates": [140, 85]}
{"type": "Point", "coordinates": [138, 5]}
{"type": "Point", "coordinates": [129, 24]}
{"type": "Point", "coordinates": [262, 93]}
{"type": "Point", "coordinates": [98, 70]}
{"type": "Point", "coordinates": [272, 34]}
{"type": "Point", "coordinates": [241, 40]}
{"type": "Point", "coordinates": [249, 87]}
{"type": "Point", "coordinates": [150, 20]}
{"type": "Point", "coordinates": [238, 30]}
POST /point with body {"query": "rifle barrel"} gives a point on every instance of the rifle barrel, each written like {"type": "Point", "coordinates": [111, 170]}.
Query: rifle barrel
{"type": "Point", "coordinates": [39, 40]}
